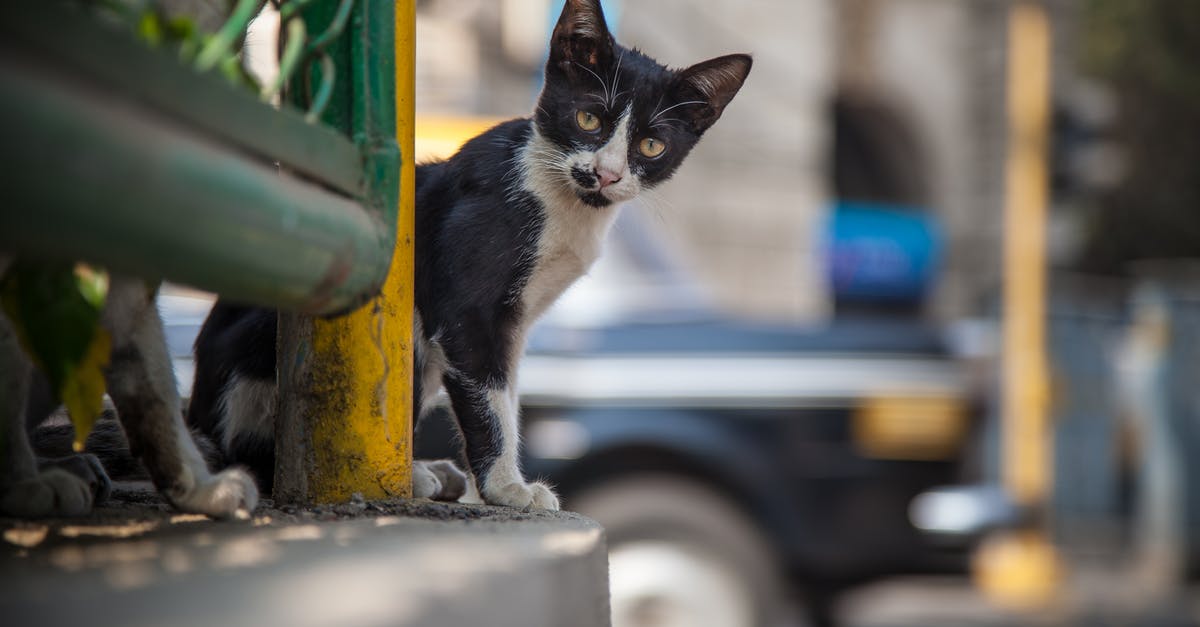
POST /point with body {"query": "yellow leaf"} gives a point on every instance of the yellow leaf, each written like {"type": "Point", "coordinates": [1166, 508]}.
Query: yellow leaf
{"type": "Point", "coordinates": [83, 387]}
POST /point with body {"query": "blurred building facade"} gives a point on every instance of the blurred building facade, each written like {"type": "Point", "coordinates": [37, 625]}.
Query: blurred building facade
{"type": "Point", "coordinates": [921, 80]}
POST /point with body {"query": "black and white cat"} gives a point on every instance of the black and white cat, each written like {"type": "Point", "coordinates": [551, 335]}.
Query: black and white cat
{"type": "Point", "coordinates": [502, 229]}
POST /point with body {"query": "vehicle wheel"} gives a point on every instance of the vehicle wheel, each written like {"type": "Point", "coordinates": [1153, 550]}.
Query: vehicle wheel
{"type": "Point", "coordinates": [681, 554]}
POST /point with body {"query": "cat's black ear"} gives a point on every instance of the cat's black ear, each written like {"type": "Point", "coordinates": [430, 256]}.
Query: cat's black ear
{"type": "Point", "coordinates": [714, 82]}
{"type": "Point", "coordinates": [581, 37]}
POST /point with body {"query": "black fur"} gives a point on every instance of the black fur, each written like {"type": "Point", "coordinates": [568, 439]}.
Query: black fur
{"type": "Point", "coordinates": [477, 241]}
{"type": "Point", "coordinates": [235, 341]}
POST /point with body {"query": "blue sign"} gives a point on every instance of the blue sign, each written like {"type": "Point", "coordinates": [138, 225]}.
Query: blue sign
{"type": "Point", "coordinates": [878, 253]}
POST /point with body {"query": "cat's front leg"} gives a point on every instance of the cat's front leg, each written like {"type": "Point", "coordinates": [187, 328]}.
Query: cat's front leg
{"type": "Point", "coordinates": [488, 418]}
{"type": "Point", "coordinates": [25, 490]}
{"type": "Point", "coordinates": [142, 386]}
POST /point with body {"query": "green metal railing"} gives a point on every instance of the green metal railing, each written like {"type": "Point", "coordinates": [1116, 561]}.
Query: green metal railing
{"type": "Point", "coordinates": [120, 155]}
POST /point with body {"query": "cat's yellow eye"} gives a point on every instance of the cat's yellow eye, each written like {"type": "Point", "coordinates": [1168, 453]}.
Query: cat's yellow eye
{"type": "Point", "coordinates": [651, 147]}
{"type": "Point", "coordinates": [587, 121]}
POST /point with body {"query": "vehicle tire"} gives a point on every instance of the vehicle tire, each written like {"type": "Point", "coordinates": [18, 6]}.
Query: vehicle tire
{"type": "Point", "coordinates": [681, 554]}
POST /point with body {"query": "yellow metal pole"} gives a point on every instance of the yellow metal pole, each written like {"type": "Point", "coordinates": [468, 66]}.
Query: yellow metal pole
{"type": "Point", "coordinates": [347, 382]}
{"type": "Point", "coordinates": [1021, 568]}
{"type": "Point", "coordinates": [1026, 437]}
{"type": "Point", "coordinates": [401, 279]}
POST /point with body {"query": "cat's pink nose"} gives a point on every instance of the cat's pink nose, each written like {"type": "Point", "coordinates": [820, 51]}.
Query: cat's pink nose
{"type": "Point", "coordinates": [607, 177]}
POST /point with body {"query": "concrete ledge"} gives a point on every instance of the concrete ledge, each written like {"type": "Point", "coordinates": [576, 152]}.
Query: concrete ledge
{"type": "Point", "coordinates": [135, 563]}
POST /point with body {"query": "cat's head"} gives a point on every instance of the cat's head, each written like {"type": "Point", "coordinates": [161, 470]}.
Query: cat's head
{"type": "Point", "coordinates": [611, 120]}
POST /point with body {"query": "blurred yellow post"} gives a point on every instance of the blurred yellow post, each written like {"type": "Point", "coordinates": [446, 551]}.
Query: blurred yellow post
{"type": "Point", "coordinates": [1021, 569]}
{"type": "Point", "coordinates": [357, 369]}
{"type": "Point", "coordinates": [1026, 438]}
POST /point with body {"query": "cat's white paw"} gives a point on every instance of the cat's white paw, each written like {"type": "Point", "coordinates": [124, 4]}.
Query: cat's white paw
{"type": "Point", "coordinates": [230, 493]}
{"type": "Point", "coordinates": [535, 495]}
{"type": "Point", "coordinates": [439, 480]}
{"type": "Point", "coordinates": [53, 492]}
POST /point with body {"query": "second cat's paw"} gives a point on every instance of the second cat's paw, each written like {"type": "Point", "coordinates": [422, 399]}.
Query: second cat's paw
{"type": "Point", "coordinates": [88, 468]}
{"type": "Point", "coordinates": [439, 480]}
{"type": "Point", "coordinates": [53, 492]}
{"type": "Point", "coordinates": [535, 495]}
{"type": "Point", "coordinates": [230, 493]}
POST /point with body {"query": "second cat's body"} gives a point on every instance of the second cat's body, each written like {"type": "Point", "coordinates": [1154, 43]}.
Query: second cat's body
{"type": "Point", "coordinates": [502, 229]}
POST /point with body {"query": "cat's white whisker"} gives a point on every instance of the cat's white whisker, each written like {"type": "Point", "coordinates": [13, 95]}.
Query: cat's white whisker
{"type": "Point", "coordinates": [617, 80]}
{"type": "Point", "coordinates": [689, 102]}
{"type": "Point", "coordinates": [666, 122]}
{"type": "Point", "coordinates": [657, 204]}
{"type": "Point", "coordinates": [603, 85]}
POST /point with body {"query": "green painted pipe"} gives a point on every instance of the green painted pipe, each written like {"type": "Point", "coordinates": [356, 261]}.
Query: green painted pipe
{"type": "Point", "coordinates": [75, 45]}
{"type": "Point", "coordinates": [85, 174]}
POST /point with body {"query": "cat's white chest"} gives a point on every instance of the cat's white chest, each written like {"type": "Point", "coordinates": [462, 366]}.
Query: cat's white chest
{"type": "Point", "coordinates": [571, 240]}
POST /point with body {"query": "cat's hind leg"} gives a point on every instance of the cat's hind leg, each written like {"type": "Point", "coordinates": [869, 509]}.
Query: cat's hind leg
{"type": "Point", "coordinates": [26, 490]}
{"type": "Point", "coordinates": [142, 386]}
{"type": "Point", "coordinates": [439, 479]}
{"type": "Point", "coordinates": [39, 407]}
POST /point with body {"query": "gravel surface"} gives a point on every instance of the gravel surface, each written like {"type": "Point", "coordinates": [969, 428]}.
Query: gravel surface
{"type": "Point", "coordinates": [135, 509]}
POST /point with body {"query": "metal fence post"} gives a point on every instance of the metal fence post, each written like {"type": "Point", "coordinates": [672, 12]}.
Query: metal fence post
{"type": "Point", "coordinates": [345, 413]}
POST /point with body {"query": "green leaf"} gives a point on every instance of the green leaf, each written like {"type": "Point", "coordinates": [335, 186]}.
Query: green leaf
{"type": "Point", "coordinates": [182, 29]}
{"type": "Point", "coordinates": [83, 389]}
{"type": "Point", "coordinates": [152, 24]}
{"type": "Point", "coordinates": [55, 312]}
{"type": "Point", "coordinates": [150, 29]}
{"type": "Point", "coordinates": [93, 285]}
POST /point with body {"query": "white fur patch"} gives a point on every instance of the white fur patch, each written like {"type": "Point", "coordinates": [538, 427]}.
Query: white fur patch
{"type": "Point", "coordinates": [431, 367]}
{"type": "Point", "coordinates": [230, 493]}
{"type": "Point", "coordinates": [573, 232]}
{"type": "Point", "coordinates": [506, 469]}
{"type": "Point", "coordinates": [614, 157]}
{"type": "Point", "coordinates": [247, 408]}
{"type": "Point", "coordinates": [438, 479]}
{"type": "Point", "coordinates": [505, 485]}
